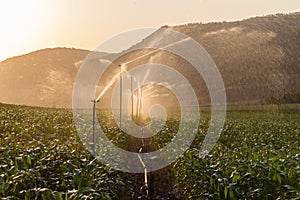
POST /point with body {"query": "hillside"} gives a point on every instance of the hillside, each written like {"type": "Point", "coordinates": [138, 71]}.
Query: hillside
{"type": "Point", "coordinates": [41, 78]}
{"type": "Point", "coordinates": [259, 60]}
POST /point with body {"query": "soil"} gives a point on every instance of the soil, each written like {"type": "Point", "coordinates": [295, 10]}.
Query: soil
{"type": "Point", "coordinates": [161, 183]}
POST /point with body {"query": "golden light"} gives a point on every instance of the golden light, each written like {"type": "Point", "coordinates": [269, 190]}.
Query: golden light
{"type": "Point", "coordinates": [20, 23]}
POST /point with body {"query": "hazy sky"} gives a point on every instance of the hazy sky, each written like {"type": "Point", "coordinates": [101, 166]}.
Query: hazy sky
{"type": "Point", "coordinates": [28, 25]}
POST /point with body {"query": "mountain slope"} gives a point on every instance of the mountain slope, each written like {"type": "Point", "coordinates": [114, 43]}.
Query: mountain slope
{"type": "Point", "coordinates": [258, 58]}
{"type": "Point", "coordinates": [41, 78]}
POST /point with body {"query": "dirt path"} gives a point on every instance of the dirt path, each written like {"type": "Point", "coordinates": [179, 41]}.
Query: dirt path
{"type": "Point", "coordinates": [161, 183]}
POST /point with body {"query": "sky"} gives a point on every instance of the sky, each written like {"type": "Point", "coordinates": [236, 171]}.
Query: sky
{"type": "Point", "coordinates": [29, 25]}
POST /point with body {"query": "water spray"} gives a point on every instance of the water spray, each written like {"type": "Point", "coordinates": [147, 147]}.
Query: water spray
{"type": "Point", "coordinates": [120, 96]}
{"type": "Point", "coordinates": [114, 79]}
{"type": "Point", "coordinates": [139, 100]}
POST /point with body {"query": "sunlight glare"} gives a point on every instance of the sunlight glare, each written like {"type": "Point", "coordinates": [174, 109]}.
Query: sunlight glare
{"type": "Point", "coordinates": [20, 22]}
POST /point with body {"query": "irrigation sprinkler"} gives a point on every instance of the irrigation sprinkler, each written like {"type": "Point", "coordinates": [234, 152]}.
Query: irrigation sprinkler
{"type": "Point", "coordinates": [94, 120]}
{"type": "Point", "coordinates": [137, 105]}
{"type": "Point", "coordinates": [130, 77]}
{"type": "Point", "coordinates": [120, 95]}
{"type": "Point", "coordinates": [131, 89]}
{"type": "Point", "coordinates": [139, 98]}
{"type": "Point", "coordinates": [140, 102]}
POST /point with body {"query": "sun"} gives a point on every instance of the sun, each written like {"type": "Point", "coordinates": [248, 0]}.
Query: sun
{"type": "Point", "coordinates": [19, 22]}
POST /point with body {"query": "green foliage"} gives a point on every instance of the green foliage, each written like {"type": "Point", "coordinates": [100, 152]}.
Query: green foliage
{"type": "Point", "coordinates": [256, 157]}
{"type": "Point", "coordinates": [43, 158]}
